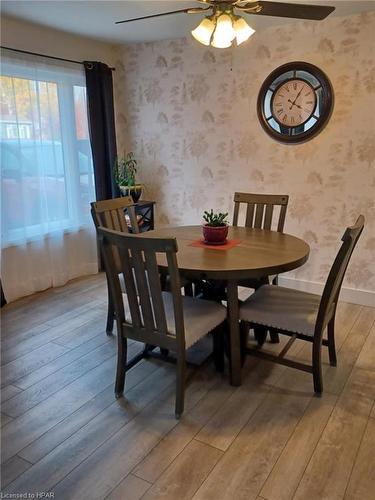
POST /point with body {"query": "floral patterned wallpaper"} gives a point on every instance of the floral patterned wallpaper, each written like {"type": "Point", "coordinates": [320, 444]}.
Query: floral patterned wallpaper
{"type": "Point", "coordinates": [189, 112]}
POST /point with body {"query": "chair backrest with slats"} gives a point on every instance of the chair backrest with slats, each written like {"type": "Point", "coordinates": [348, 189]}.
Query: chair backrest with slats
{"type": "Point", "coordinates": [260, 209]}
{"type": "Point", "coordinates": [111, 214]}
{"type": "Point", "coordinates": [336, 275]}
{"type": "Point", "coordinates": [138, 257]}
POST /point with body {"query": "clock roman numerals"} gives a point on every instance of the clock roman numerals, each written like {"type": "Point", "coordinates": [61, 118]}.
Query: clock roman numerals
{"type": "Point", "coordinates": [293, 103]}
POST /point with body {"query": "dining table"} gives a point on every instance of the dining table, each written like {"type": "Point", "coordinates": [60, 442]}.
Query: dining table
{"type": "Point", "coordinates": [249, 253]}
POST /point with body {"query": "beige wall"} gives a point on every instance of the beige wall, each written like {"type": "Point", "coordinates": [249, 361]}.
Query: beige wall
{"type": "Point", "coordinates": [190, 114]}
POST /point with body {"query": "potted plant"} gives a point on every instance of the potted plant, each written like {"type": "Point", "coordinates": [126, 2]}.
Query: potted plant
{"type": "Point", "coordinates": [125, 171]}
{"type": "Point", "coordinates": [215, 228]}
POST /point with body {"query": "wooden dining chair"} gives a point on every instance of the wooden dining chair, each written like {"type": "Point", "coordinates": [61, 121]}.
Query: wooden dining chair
{"type": "Point", "coordinates": [146, 314]}
{"type": "Point", "coordinates": [301, 315]}
{"type": "Point", "coordinates": [118, 214]}
{"type": "Point", "coordinates": [260, 212]}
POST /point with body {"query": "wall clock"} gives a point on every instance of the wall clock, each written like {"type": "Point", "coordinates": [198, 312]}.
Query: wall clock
{"type": "Point", "coordinates": [295, 102]}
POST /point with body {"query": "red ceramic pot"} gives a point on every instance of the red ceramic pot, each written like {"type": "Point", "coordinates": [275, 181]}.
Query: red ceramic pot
{"type": "Point", "coordinates": [215, 234]}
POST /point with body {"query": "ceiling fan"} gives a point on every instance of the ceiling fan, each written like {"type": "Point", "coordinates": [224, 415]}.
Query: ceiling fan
{"type": "Point", "coordinates": [223, 25]}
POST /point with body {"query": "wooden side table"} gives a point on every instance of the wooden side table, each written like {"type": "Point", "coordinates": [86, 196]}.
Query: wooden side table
{"type": "Point", "coordinates": [145, 215]}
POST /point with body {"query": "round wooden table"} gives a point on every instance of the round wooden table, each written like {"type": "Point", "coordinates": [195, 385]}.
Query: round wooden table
{"type": "Point", "coordinates": [260, 253]}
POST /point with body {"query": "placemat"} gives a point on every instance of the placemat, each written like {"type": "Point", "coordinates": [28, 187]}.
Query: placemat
{"type": "Point", "coordinates": [226, 246]}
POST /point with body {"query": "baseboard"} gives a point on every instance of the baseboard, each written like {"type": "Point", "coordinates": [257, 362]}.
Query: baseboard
{"type": "Point", "coordinates": [353, 295]}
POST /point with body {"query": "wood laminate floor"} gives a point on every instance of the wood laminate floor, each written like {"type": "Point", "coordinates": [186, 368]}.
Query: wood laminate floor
{"type": "Point", "coordinates": [64, 432]}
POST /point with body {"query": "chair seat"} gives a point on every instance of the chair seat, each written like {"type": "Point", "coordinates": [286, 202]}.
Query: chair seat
{"type": "Point", "coordinates": [200, 316]}
{"type": "Point", "coordinates": [283, 308]}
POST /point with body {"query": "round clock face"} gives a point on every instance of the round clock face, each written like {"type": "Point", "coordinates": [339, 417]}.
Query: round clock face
{"type": "Point", "coordinates": [295, 102]}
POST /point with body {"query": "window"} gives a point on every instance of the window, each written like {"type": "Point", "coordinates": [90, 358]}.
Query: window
{"type": "Point", "coordinates": [11, 131]}
{"type": "Point", "coordinates": [46, 165]}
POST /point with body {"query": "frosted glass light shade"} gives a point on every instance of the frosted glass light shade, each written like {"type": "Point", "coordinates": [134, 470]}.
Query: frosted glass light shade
{"type": "Point", "coordinates": [221, 44]}
{"type": "Point", "coordinates": [203, 31]}
{"type": "Point", "coordinates": [224, 33]}
{"type": "Point", "coordinates": [243, 30]}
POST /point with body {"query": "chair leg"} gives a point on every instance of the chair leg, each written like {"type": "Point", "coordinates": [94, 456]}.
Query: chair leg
{"type": "Point", "coordinates": [188, 289]}
{"type": "Point", "coordinates": [110, 315]}
{"type": "Point", "coordinates": [163, 282]}
{"type": "Point", "coordinates": [198, 289]}
{"type": "Point", "coordinates": [226, 340]}
{"type": "Point", "coordinates": [274, 336]}
{"type": "Point", "coordinates": [180, 385]}
{"type": "Point", "coordinates": [317, 368]}
{"type": "Point", "coordinates": [147, 349]}
{"type": "Point", "coordinates": [121, 365]}
{"type": "Point", "coordinates": [331, 342]}
{"type": "Point", "coordinates": [260, 334]}
{"type": "Point", "coordinates": [218, 348]}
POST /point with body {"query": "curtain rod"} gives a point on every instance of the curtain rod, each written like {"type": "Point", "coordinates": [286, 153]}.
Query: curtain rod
{"type": "Point", "coordinates": [44, 55]}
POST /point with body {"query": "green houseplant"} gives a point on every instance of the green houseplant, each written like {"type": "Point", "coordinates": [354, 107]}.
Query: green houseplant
{"type": "Point", "coordinates": [215, 227]}
{"type": "Point", "coordinates": [125, 172]}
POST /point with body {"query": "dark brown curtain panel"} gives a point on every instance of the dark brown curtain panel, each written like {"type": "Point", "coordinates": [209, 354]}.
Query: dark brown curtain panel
{"type": "Point", "coordinates": [99, 86]}
{"type": "Point", "coordinates": [3, 301]}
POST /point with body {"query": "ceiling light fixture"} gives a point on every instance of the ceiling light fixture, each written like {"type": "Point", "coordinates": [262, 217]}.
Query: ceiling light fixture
{"type": "Point", "coordinates": [221, 29]}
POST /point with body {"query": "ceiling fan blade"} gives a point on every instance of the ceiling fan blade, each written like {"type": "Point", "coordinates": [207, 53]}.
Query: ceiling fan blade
{"type": "Point", "coordinates": [293, 10]}
{"type": "Point", "coordinates": [193, 10]}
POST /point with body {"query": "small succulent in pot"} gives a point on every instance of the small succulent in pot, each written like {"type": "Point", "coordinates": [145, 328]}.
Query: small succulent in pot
{"type": "Point", "coordinates": [215, 228]}
{"type": "Point", "coordinates": [125, 171]}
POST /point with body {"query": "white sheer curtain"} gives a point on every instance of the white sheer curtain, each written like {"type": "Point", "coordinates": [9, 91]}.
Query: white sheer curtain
{"type": "Point", "coordinates": [47, 181]}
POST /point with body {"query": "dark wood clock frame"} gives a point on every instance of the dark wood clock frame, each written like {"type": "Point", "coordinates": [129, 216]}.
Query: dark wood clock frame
{"type": "Point", "coordinates": [326, 108]}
